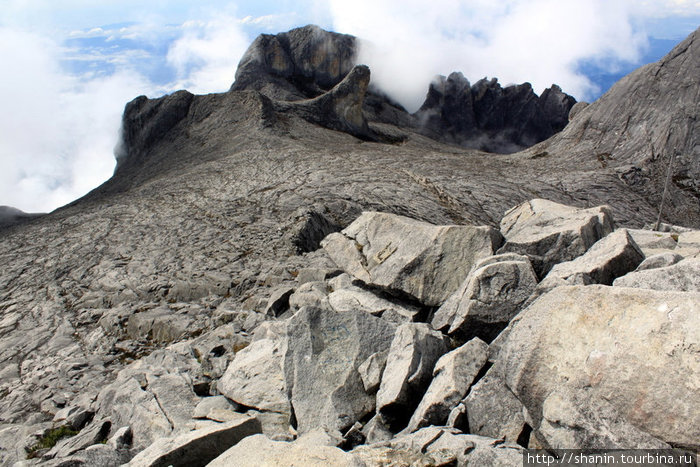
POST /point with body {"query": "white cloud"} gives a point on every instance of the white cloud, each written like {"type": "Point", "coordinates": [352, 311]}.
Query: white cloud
{"type": "Point", "coordinates": [57, 131]}
{"type": "Point", "coordinates": [667, 8]}
{"type": "Point", "coordinates": [207, 54]}
{"type": "Point", "coordinates": [539, 41]}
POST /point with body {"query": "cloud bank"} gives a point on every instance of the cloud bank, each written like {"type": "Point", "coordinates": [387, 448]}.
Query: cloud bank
{"type": "Point", "coordinates": [63, 101]}
{"type": "Point", "coordinates": [408, 42]}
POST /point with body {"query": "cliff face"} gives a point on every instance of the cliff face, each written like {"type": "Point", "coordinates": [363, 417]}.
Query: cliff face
{"type": "Point", "coordinates": [142, 293]}
{"type": "Point", "coordinates": [491, 118]}
{"type": "Point", "coordinates": [305, 62]}
{"type": "Point", "coordinates": [646, 119]}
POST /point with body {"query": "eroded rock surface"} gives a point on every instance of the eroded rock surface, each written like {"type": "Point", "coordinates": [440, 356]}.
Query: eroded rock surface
{"type": "Point", "coordinates": [401, 255]}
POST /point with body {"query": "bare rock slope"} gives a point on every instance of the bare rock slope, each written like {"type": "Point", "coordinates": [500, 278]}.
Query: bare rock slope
{"type": "Point", "coordinates": [196, 272]}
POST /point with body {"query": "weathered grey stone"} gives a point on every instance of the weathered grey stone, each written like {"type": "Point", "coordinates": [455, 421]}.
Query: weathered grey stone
{"type": "Point", "coordinates": [305, 275]}
{"type": "Point", "coordinates": [196, 448]}
{"type": "Point", "coordinates": [652, 242]}
{"type": "Point", "coordinates": [376, 430]}
{"type": "Point", "coordinates": [279, 300]}
{"type": "Point", "coordinates": [413, 354]}
{"type": "Point", "coordinates": [75, 417]}
{"type": "Point", "coordinates": [492, 410]}
{"type": "Point", "coordinates": [97, 454]}
{"type": "Point", "coordinates": [660, 260]}
{"type": "Point", "coordinates": [611, 257]}
{"type": "Point", "coordinates": [683, 276]}
{"type": "Point", "coordinates": [261, 451]}
{"type": "Point", "coordinates": [128, 404]}
{"type": "Point", "coordinates": [689, 240]}
{"type": "Point", "coordinates": [399, 254]}
{"type": "Point", "coordinates": [440, 446]}
{"type": "Point", "coordinates": [569, 419]}
{"type": "Point", "coordinates": [645, 377]}
{"type": "Point", "coordinates": [453, 375]}
{"type": "Point", "coordinates": [121, 439]}
{"type": "Point", "coordinates": [175, 397]}
{"type": "Point", "coordinates": [371, 370]}
{"type": "Point", "coordinates": [324, 352]}
{"type": "Point", "coordinates": [94, 433]}
{"type": "Point", "coordinates": [215, 349]}
{"type": "Point", "coordinates": [208, 404]}
{"type": "Point", "coordinates": [355, 298]}
{"type": "Point", "coordinates": [551, 233]}
{"type": "Point", "coordinates": [255, 378]}
{"type": "Point", "coordinates": [313, 294]}
{"type": "Point", "coordinates": [492, 294]}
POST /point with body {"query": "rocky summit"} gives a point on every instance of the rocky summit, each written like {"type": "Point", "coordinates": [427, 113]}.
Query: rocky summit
{"type": "Point", "coordinates": [299, 272]}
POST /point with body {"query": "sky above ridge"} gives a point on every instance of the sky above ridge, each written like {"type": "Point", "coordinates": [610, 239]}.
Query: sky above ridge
{"type": "Point", "coordinates": [70, 66]}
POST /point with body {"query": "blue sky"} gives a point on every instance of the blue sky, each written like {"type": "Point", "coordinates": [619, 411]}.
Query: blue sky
{"type": "Point", "coordinates": [70, 66]}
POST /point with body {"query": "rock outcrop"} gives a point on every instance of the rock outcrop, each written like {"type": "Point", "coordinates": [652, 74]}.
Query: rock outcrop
{"type": "Point", "coordinates": [488, 117]}
{"type": "Point", "coordinates": [422, 261]}
{"type": "Point", "coordinates": [612, 346]}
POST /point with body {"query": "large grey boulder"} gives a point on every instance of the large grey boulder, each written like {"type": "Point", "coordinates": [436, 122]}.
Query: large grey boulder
{"type": "Point", "coordinates": [551, 233]}
{"type": "Point", "coordinates": [128, 403]}
{"type": "Point", "coordinates": [410, 257]}
{"type": "Point", "coordinates": [492, 294]}
{"type": "Point", "coordinates": [356, 298]}
{"type": "Point", "coordinates": [325, 350]}
{"type": "Point", "coordinates": [625, 354]}
{"type": "Point", "coordinates": [652, 242]}
{"type": "Point", "coordinates": [198, 447]}
{"type": "Point", "coordinates": [453, 375]}
{"type": "Point", "coordinates": [570, 419]}
{"type": "Point", "coordinates": [683, 276]}
{"type": "Point", "coordinates": [255, 377]}
{"type": "Point", "coordinates": [492, 410]}
{"type": "Point", "coordinates": [414, 352]}
{"type": "Point", "coordinates": [611, 257]}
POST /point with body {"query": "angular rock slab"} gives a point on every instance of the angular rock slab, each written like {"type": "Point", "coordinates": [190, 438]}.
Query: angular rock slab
{"type": "Point", "coordinates": [683, 276]}
{"type": "Point", "coordinates": [633, 352]}
{"type": "Point", "coordinates": [551, 233]}
{"type": "Point", "coordinates": [652, 242]}
{"type": "Point", "coordinates": [255, 378]}
{"type": "Point", "coordinates": [325, 349]}
{"type": "Point", "coordinates": [399, 254]}
{"type": "Point", "coordinates": [198, 447]}
{"type": "Point", "coordinates": [261, 451]}
{"type": "Point", "coordinates": [453, 375]}
{"type": "Point", "coordinates": [414, 352]}
{"type": "Point", "coordinates": [433, 446]}
{"type": "Point", "coordinates": [611, 257]}
{"type": "Point", "coordinates": [488, 299]}
{"type": "Point", "coordinates": [356, 298]}
{"type": "Point", "coordinates": [492, 410]}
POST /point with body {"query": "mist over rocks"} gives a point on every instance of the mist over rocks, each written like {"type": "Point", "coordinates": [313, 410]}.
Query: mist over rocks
{"type": "Point", "coordinates": [11, 216]}
{"type": "Point", "coordinates": [306, 62]}
{"type": "Point", "coordinates": [190, 294]}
